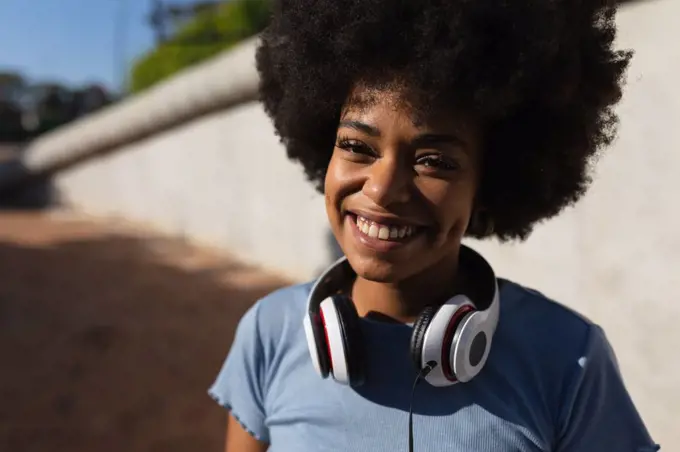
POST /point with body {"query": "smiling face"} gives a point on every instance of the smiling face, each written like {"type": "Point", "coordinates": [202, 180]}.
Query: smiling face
{"type": "Point", "coordinates": [400, 188]}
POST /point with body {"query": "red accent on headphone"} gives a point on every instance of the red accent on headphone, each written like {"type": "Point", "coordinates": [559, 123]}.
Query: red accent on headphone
{"type": "Point", "coordinates": [328, 343]}
{"type": "Point", "coordinates": [448, 336]}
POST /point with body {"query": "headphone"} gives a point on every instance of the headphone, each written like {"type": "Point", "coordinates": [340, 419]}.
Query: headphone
{"type": "Point", "coordinates": [453, 339]}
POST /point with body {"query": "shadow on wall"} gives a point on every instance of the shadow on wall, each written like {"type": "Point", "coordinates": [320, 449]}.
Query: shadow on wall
{"type": "Point", "coordinates": [105, 348]}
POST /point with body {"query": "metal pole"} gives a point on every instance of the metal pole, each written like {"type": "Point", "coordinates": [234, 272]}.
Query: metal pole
{"type": "Point", "coordinates": [120, 46]}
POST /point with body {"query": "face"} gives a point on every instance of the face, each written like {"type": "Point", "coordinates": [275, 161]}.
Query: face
{"type": "Point", "coordinates": [400, 188]}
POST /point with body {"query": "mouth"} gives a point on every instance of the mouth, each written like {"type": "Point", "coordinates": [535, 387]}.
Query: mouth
{"type": "Point", "coordinates": [383, 236]}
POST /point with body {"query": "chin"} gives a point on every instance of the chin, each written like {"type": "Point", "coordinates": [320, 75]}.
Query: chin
{"type": "Point", "coordinates": [377, 270]}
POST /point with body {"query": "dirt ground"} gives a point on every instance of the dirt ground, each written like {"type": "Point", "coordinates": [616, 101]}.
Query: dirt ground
{"type": "Point", "coordinates": [110, 337]}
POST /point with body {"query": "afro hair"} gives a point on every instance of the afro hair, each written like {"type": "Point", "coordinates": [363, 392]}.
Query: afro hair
{"type": "Point", "coordinates": [542, 75]}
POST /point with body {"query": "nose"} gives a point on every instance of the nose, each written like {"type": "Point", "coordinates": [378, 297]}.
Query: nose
{"type": "Point", "coordinates": [388, 182]}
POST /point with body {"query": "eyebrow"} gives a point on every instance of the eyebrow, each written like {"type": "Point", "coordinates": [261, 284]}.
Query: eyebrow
{"type": "Point", "coordinates": [427, 139]}
{"type": "Point", "coordinates": [361, 127]}
{"type": "Point", "coordinates": [433, 139]}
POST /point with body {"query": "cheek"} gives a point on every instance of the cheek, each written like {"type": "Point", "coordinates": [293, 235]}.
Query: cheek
{"type": "Point", "coordinates": [331, 183]}
{"type": "Point", "coordinates": [329, 202]}
{"type": "Point", "coordinates": [328, 182]}
{"type": "Point", "coordinates": [451, 203]}
{"type": "Point", "coordinates": [330, 197]}
{"type": "Point", "coordinates": [335, 188]}
{"type": "Point", "coordinates": [341, 181]}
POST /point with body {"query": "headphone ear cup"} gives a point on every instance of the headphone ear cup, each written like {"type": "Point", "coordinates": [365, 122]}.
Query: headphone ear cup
{"type": "Point", "coordinates": [418, 335]}
{"type": "Point", "coordinates": [351, 328]}
{"type": "Point", "coordinates": [317, 342]}
{"type": "Point", "coordinates": [341, 325]}
{"type": "Point", "coordinates": [438, 338]}
{"type": "Point", "coordinates": [472, 344]}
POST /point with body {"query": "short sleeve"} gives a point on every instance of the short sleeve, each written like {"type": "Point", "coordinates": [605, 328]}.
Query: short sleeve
{"type": "Point", "coordinates": [599, 414]}
{"type": "Point", "coordinates": [239, 386]}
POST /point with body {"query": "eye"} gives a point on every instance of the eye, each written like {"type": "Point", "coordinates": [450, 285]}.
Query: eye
{"type": "Point", "coordinates": [356, 147]}
{"type": "Point", "coordinates": [437, 162]}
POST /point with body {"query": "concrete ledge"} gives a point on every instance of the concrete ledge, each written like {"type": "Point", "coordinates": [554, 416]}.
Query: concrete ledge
{"type": "Point", "coordinates": [220, 83]}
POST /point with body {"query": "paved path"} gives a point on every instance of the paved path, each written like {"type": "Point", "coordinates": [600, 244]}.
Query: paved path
{"type": "Point", "coordinates": [109, 337]}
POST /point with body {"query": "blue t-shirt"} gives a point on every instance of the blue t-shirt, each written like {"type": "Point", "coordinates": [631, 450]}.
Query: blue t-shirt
{"type": "Point", "coordinates": [551, 383]}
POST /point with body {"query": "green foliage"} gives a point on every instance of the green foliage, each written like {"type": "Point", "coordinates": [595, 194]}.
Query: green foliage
{"type": "Point", "coordinates": [11, 78]}
{"type": "Point", "coordinates": [205, 35]}
{"type": "Point", "coordinates": [11, 84]}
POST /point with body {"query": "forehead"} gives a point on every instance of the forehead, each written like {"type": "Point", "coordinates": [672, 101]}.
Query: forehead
{"type": "Point", "coordinates": [395, 102]}
{"type": "Point", "coordinates": [366, 99]}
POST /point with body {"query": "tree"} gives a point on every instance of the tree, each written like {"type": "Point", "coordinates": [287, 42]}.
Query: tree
{"type": "Point", "coordinates": [11, 83]}
{"type": "Point", "coordinates": [45, 106]}
{"type": "Point", "coordinates": [209, 32]}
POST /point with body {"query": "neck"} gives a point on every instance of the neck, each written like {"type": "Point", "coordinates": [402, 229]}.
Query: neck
{"type": "Point", "coordinates": [404, 300]}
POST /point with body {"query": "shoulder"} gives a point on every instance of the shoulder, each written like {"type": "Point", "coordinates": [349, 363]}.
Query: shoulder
{"type": "Point", "coordinates": [265, 331]}
{"type": "Point", "coordinates": [283, 303]}
{"type": "Point", "coordinates": [269, 329]}
{"type": "Point", "coordinates": [593, 409]}
{"type": "Point", "coordinates": [544, 328]}
{"type": "Point", "coordinates": [525, 304]}
{"type": "Point", "coordinates": [278, 314]}
{"type": "Point", "coordinates": [534, 303]}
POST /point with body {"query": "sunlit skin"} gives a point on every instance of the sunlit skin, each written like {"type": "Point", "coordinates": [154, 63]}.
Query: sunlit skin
{"type": "Point", "coordinates": [395, 167]}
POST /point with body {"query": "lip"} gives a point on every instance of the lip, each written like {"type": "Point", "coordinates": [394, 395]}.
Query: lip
{"type": "Point", "coordinates": [375, 243]}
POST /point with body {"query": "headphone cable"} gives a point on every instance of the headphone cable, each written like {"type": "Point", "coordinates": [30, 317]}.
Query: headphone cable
{"type": "Point", "coordinates": [422, 374]}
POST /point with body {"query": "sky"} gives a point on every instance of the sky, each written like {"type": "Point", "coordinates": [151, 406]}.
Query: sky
{"type": "Point", "coordinates": [74, 41]}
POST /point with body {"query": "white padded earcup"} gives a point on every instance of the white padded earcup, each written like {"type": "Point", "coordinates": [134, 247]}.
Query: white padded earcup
{"type": "Point", "coordinates": [336, 344]}
{"type": "Point", "coordinates": [314, 351]}
{"type": "Point", "coordinates": [471, 346]}
{"type": "Point", "coordinates": [434, 339]}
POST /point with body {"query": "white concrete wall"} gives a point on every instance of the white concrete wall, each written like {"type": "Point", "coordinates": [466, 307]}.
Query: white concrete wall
{"type": "Point", "coordinates": [223, 179]}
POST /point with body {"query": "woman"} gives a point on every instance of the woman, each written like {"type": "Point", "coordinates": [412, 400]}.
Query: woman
{"type": "Point", "coordinates": [422, 122]}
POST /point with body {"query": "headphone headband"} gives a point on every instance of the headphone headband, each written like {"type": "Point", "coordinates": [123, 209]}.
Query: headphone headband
{"type": "Point", "coordinates": [333, 278]}
{"type": "Point", "coordinates": [329, 283]}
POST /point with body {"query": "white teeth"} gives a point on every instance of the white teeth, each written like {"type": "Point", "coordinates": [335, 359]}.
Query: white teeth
{"type": "Point", "coordinates": [383, 232]}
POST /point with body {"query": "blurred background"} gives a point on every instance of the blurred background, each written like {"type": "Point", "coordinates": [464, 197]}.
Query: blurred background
{"type": "Point", "coordinates": [145, 204]}
{"type": "Point", "coordinates": [82, 56]}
